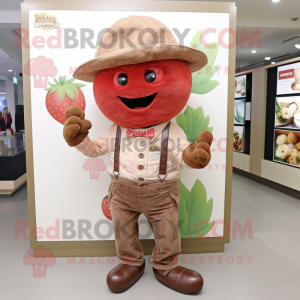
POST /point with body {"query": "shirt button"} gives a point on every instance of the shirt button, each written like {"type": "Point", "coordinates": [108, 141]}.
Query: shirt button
{"type": "Point", "coordinates": [142, 143]}
{"type": "Point", "coordinates": [141, 167]}
{"type": "Point", "coordinates": [141, 179]}
{"type": "Point", "coordinates": [141, 155]}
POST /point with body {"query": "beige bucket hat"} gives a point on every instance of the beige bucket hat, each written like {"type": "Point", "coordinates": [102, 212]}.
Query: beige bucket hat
{"type": "Point", "coordinates": [138, 39]}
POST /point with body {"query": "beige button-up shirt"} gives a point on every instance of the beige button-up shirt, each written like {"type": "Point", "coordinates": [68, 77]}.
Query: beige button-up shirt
{"type": "Point", "coordinates": [139, 156]}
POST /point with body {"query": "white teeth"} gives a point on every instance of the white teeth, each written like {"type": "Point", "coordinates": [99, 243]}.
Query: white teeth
{"type": "Point", "coordinates": [37, 77]}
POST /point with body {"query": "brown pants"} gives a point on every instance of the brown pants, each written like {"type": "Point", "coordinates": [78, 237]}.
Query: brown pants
{"type": "Point", "coordinates": [159, 202]}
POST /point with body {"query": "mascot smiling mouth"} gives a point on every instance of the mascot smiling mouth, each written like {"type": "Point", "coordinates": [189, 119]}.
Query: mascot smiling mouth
{"type": "Point", "coordinates": [138, 103]}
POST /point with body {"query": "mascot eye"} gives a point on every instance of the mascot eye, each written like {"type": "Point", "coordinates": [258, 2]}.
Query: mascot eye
{"type": "Point", "coordinates": [120, 79]}
{"type": "Point", "coordinates": [150, 76]}
{"type": "Point", "coordinates": [154, 75]}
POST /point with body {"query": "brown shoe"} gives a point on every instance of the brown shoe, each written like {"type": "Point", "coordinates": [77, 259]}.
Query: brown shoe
{"type": "Point", "coordinates": [180, 279]}
{"type": "Point", "coordinates": [122, 277]}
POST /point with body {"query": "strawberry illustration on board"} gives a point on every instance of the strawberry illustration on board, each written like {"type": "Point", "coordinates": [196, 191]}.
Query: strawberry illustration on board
{"type": "Point", "coordinates": [106, 208]}
{"type": "Point", "coordinates": [63, 94]}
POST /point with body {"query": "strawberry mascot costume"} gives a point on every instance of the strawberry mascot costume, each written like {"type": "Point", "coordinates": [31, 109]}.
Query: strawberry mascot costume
{"type": "Point", "coordinates": [142, 79]}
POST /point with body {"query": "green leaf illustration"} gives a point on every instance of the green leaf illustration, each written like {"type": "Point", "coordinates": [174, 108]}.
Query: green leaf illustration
{"type": "Point", "coordinates": [64, 87]}
{"type": "Point", "coordinates": [192, 121]}
{"type": "Point", "coordinates": [198, 192]}
{"type": "Point", "coordinates": [186, 124]}
{"type": "Point", "coordinates": [194, 216]}
{"type": "Point", "coordinates": [243, 82]}
{"type": "Point", "coordinates": [205, 88]}
{"type": "Point", "coordinates": [183, 217]}
{"type": "Point", "coordinates": [200, 80]}
{"type": "Point", "coordinates": [196, 40]}
{"type": "Point", "coordinates": [211, 50]}
{"type": "Point", "coordinates": [206, 229]}
{"type": "Point", "coordinates": [61, 93]}
{"type": "Point", "coordinates": [62, 79]}
{"type": "Point", "coordinates": [278, 158]}
{"type": "Point", "coordinates": [186, 193]}
{"type": "Point", "coordinates": [238, 117]}
{"type": "Point", "coordinates": [202, 83]}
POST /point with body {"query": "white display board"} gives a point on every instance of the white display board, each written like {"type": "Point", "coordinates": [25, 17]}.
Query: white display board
{"type": "Point", "coordinates": [288, 79]}
{"type": "Point", "coordinates": [67, 193]}
{"type": "Point", "coordinates": [240, 86]}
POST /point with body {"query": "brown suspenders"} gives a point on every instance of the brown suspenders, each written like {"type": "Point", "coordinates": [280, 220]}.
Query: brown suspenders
{"type": "Point", "coordinates": [163, 153]}
{"type": "Point", "coordinates": [117, 152]}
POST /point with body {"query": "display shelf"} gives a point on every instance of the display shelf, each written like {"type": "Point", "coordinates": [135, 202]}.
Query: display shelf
{"type": "Point", "coordinates": [282, 174]}
{"type": "Point", "coordinates": [9, 187]}
{"type": "Point", "coordinates": [13, 164]}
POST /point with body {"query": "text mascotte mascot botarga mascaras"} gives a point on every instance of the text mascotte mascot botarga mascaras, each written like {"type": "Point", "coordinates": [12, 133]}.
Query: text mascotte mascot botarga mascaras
{"type": "Point", "coordinates": [142, 79]}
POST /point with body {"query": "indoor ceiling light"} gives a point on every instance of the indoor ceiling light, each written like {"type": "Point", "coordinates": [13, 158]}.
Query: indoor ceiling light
{"type": "Point", "coordinates": [2, 93]}
{"type": "Point", "coordinates": [275, 0]}
{"type": "Point", "coordinates": [273, 62]}
{"type": "Point", "coordinates": [297, 46]}
{"type": "Point", "coordinates": [9, 70]}
{"type": "Point", "coordinates": [267, 58]}
{"type": "Point", "coordinates": [253, 51]}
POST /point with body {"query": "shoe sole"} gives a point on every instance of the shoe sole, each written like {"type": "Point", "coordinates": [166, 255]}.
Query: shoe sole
{"type": "Point", "coordinates": [188, 293]}
{"type": "Point", "coordinates": [121, 291]}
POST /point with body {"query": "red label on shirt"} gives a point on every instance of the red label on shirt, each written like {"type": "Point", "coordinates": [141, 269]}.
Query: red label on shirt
{"type": "Point", "coordinates": [286, 74]}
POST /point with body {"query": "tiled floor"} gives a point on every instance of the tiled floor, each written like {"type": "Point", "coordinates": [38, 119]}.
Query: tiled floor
{"type": "Point", "coordinates": [273, 271]}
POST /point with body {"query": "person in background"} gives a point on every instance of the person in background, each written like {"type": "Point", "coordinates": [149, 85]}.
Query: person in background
{"type": "Point", "coordinates": [1, 125]}
{"type": "Point", "coordinates": [7, 117]}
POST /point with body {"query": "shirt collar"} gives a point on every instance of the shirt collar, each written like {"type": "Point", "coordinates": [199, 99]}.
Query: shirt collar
{"type": "Point", "coordinates": [158, 130]}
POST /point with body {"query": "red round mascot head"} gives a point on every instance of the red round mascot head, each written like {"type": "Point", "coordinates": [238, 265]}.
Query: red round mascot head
{"type": "Point", "coordinates": [141, 76]}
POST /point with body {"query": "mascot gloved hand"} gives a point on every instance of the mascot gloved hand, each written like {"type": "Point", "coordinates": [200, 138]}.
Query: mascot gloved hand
{"type": "Point", "coordinates": [197, 155]}
{"type": "Point", "coordinates": [141, 80]}
{"type": "Point", "coordinates": [76, 127]}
